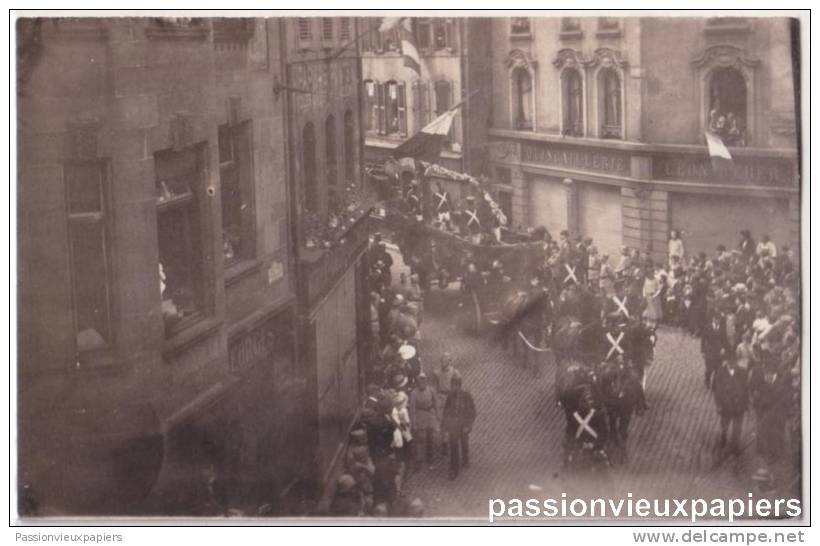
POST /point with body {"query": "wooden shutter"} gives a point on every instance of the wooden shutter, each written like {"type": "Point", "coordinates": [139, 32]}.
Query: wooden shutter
{"type": "Point", "coordinates": [401, 107]}
{"type": "Point", "coordinates": [381, 99]}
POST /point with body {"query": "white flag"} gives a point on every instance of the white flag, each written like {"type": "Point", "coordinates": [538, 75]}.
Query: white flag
{"type": "Point", "coordinates": [716, 146]}
{"type": "Point", "coordinates": [389, 23]}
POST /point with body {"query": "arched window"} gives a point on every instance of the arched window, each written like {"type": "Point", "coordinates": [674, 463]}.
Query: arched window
{"type": "Point", "coordinates": [609, 103]}
{"type": "Point", "coordinates": [573, 97]}
{"type": "Point", "coordinates": [330, 158]}
{"type": "Point", "coordinates": [728, 105]}
{"type": "Point", "coordinates": [350, 148]}
{"type": "Point", "coordinates": [310, 191]}
{"type": "Point", "coordinates": [522, 99]}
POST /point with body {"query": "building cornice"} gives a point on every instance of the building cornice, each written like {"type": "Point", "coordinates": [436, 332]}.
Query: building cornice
{"type": "Point", "coordinates": [637, 147]}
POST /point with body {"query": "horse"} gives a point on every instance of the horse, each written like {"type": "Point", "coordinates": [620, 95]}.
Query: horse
{"type": "Point", "coordinates": [587, 424]}
{"type": "Point", "coordinates": [620, 391]}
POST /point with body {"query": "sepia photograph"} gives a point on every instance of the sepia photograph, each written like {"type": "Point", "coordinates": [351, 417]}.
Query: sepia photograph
{"type": "Point", "coordinates": [409, 267]}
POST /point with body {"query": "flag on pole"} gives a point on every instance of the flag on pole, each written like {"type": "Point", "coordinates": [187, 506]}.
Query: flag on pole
{"type": "Point", "coordinates": [389, 23]}
{"type": "Point", "coordinates": [409, 51]}
{"type": "Point", "coordinates": [716, 146]}
{"type": "Point", "coordinates": [427, 143]}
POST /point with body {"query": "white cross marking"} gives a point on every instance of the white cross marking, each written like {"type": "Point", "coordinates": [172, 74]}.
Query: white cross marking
{"type": "Point", "coordinates": [473, 218]}
{"type": "Point", "coordinates": [442, 197]}
{"type": "Point", "coordinates": [621, 305]}
{"type": "Point", "coordinates": [570, 274]}
{"type": "Point", "coordinates": [583, 424]}
{"type": "Point", "coordinates": [615, 344]}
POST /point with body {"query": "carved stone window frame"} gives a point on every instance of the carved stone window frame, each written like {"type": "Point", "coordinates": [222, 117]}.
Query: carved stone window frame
{"type": "Point", "coordinates": [607, 58]}
{"type": "Point", "coordinates": [572, 59]}
{"type": "Point", "coordinates": [727, 56]}
{"type": "Point", "coordinates": [518, 59]}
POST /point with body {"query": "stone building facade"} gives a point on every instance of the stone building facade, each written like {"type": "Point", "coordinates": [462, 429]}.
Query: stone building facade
{"type": "Point", "coordinates": [398, 102]}
{"type": "Point", "coordinates": [323, 98]}
{"type": "Point", "coordinates": [159, 271]}
{"type": "Point", "coordinates": [598, 127]}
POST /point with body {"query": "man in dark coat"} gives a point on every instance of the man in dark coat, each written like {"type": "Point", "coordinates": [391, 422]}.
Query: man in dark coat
{"type": "Point", "coordinates": [770, 391]}
{"type": "Point", "coordinates": [458, 418]}
{"type": "Point", "coordinates": [714, 345]}
{"type": "Point", "coordinates": [731, 392]}
{"type": "Point", "coordinates": [380, 428]}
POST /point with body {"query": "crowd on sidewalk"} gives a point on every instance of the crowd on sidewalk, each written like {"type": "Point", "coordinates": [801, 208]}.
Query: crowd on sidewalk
{"type": "Point", "coordinates": [412, 416]}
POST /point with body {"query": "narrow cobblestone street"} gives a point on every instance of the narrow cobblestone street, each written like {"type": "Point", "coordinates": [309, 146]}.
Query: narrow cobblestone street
{"type": "Point", "coordinates": [516, 442]}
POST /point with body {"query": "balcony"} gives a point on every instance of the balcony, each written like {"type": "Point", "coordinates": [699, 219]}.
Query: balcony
{"type": "Point", "coordinates": [321, 268]}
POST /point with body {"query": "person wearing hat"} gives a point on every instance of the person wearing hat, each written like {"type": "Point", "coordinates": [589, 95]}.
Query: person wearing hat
{"type": "Point", "coordinates": [730, 388]}
{"type": "Point", "coordinates": [380, 430]}
{"type": "Point", "coordinates": [347, 501]}
{"type": "Point", "coordinates": [424, 414]}
{"type": "Point", "coordinates": [443, 380]}
{"type": "Point", "coordinates": [401, 415]}
{"type": "Point", "coordinates": [714, 345]}
{"type": "Point", "coordinates": [624, 266]}
{"type": "Point", "coordinates": [770, 393]}
{"type": "Point", "coordinates": [457, 420]}
{"type": "Point", "coordinates": [361, 467]}
{"type": "Point", "coordinates": [381, 254]}
{"type": "Point", "coordinates": [747, 244]}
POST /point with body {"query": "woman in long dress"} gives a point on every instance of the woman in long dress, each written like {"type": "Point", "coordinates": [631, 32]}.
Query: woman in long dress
{"type": "Point", "coordinates": [652, 294]}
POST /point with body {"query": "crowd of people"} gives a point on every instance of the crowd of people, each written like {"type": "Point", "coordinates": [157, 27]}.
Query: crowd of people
{"type": "Point", "coordinates": [412, 416]}
{"type": "Point", "coordinates": [742, 303]}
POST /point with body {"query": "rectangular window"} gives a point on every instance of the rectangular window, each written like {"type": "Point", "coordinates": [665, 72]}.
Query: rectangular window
{"type": "Point", "coordinates": [345, 29]}
{"type": "Point", "coordinates": [180, 230]}
{"type": "Point", "coordinates": [441, 34]}
{"type": "Point", "coordinates": [571, 24]}
{"type": "Point", "coordinates": [86, 185]}
{"type": "Point", "coordinates": [235, 179]}
{"type": "Point", "coordinates": [327, 29]}
{"type": "Point", "coordinates": [608, 23]}
{"type": "Point", "coordinates": [304, 31]}
{"type": "Point", "coordinates": [520, 26]}
{"type": "Point", "coordinates": [423, 31]}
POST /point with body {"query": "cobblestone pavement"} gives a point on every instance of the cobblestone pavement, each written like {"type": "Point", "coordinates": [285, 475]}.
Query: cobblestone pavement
{"type": "Point", "coordinates": [516, 442]}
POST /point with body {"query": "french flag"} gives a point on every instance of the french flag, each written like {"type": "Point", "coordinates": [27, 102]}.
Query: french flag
{"type": "Point", "coordinates": [427, 144]}
{"type": "Point", "coordinates": [409, 52]}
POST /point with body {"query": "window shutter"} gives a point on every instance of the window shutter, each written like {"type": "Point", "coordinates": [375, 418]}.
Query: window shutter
{"type": "Point", "coordinates": [416, 105]}
{"type": "Point", "coordinates": [449, 34]}
{"type": "Point", "coordinates": [402, 108]}
{"type": "Point", "coordinates": [457, 117]}
{"type": "Point", "coordinates": [381, 94]}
